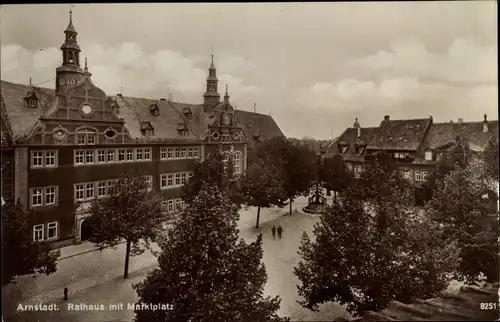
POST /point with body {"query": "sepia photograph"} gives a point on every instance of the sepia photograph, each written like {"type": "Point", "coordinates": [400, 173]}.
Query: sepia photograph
{"type": "Point", "coordinates": [250, 162]}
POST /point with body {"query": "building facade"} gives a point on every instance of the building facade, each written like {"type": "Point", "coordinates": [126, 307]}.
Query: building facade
{"type": "Point", "coordinates": [416, 144]}
{"type": "Point", "coordinates": [63, 147]}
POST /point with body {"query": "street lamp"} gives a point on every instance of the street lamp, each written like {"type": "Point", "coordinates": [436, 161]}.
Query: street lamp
{"type": "Point", "coordinates": [317, 202]}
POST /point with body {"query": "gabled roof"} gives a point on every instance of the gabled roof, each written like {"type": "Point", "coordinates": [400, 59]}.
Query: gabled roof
{"type": "Point", "coordinates": [443, 133]}
{"type": "Point", "coordinates": [400, 134]}
{"type": "Point", "coordinates": [258, 123]}
{"type": "Point", "coordinates": [21, 117]}
{"type": "Point", "coordinates": [136, 111]}
{"type": "Point", "coordinates": [349, 138]}
{"type": "Point", "coordinates": [464, 306]}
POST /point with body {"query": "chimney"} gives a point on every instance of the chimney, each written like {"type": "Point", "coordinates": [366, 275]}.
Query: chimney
{"type": "Point", "coordinates": [163, 99]}
{"type": "Point", "coordinates": [485, 123]}
{"type": "Point", "coordinates": [386, 118]}
{"type": "Point", "coordinates": [460, 120]}
{"type": "Point", "coordinates": [430, 117]}
{"type": "Point", "coordinates": [254, 107]}
{"type": "Point", "coordinates": [357, 127]}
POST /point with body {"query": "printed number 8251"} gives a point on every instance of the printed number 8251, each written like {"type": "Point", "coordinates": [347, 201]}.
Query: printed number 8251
{"type": "Point", "coordinates": [488, 306]}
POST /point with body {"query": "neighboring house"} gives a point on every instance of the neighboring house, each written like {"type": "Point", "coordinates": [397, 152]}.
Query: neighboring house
{"type": "Point", "coordinates": [416, 144]}
{"type": "Point", "coordinates": [66, 146]}
{"type": "Point", "coordinates": [470, 304]}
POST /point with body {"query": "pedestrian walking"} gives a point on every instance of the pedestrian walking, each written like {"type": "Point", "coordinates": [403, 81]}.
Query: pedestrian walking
{"type": "Point", "coordinates": [280, 231]}
{"type": "Point", "coordinates": [65, 293]}
{"type": "Point", "coordinates": [273, 231]}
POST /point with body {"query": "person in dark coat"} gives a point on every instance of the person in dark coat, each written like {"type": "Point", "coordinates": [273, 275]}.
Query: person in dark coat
{"type": "Point", "coordinates": [273, 231]}
{"type": "Point", "coordinates": [65, 293]}
{"type": "Point", "coordinates": [280, 231]}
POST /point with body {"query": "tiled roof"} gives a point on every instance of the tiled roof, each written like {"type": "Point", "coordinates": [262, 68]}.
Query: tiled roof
{"type": "Point", "coordinates": [464, 306]}
{"type": "Point", "coordinates": [400, 134]}
{"type": "Point", "coordinates": [350, 138]}
{"type": "Point", "coordinates": [442, 133]}
{"type": "Point", "coordinates": [262, 124]}
{"type": "Point", "coordinates": [21, 117]}
{"type": "Point", "coordinates": [136, 110]}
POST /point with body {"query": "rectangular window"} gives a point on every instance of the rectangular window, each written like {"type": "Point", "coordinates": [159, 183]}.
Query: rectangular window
{"type": "Point", "coordinates": [80, 139]}
{"type": "Point", "coordinates": [50, 196]}
{"type": "Point", "coordinates": [428, 155]}
{"type": "Point", "coordinates": [52, 230]}
{"type": "Point", "coordinates": [90, 138]}
{"type": "Point", "coordinates": [111, 184]}
{"type": "Point", "coordinates": [147, 154]}
{"type": "Point", "coordinates": [195, 153]}
{"type": "Point", "coordinates": [79, 157]}
{"type": "Point", "coordinates": [170, 180]}
{"type": "Point", "coordinates": [50, 159]}
{"type": "Point", "coordinates": [37, 159]}
{"type": "Point", "coordinates": [80, 192]}
{"type": "Point", "coordinates": [183, 178]}
{"type": "Point", "coordinates": [170, 206]}
{"type": "Point", "coordinates": [163, 181]}
{"type": "Point", "coordinates": [89, 156]}
{"type": "Point", "coordinates": [101, 189]}
{"type": "Point", "coordinates": [38, 233]}
{"type": "Point", "coordinates": [121, 155]}
{"type": "Point", "coordinates": [425, 175]}
{"type": "Point", "coordinates": [149, 181]}
{"type": "Point", "coordinates": [183, 153]}
{"type": "Point", "coordinates": [101, 156]}
{"type": "Point", "coordinates": [170, 153]}
{"type": "Point", "coordinates": [191, 174]}
{"type": "Point", "coordinates": [177, 179]}
{"type": "Point", "coordinates": [177, 153]}
{"type": "Point", "coordinates": [163, 153]}
{"type": "Point", "coordinates": [190, 153]}
{"type": "Point", "coordinates": [177, 205]}
{"type": "Point", "coordinates": [36, 197]}
{"type": "Point", "coordinates": [139, 155]}
{"type": "Point", "coordinates": [406, 174]}
{"type": "Point", "coordinates": [111, 155]}
{"type": "Point", "coordinates": [89, 190]}
{"type": "Point", "coordinates": [226, 138]}
{"type": "Point", "coordinates": [130, 155]}
{"type": "Point", "coordinates": [418, 176]}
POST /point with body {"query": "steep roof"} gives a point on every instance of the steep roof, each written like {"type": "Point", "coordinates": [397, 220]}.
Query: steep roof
{"type": "Point", "coordinates": [349, 138]}
{"type": "Point", "coordinates": [258, 123]}
{"type": "Point", "coordinates": [21, 117]}
{"type": "Point", "coordinates": [442, 133]}
{"type": "Point", "coordinates": [464, 306]}
{"type": "Point", "coordinates": [400, 134]}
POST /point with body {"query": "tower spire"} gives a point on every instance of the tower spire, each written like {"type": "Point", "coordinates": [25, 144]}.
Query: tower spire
{"type": "Point", "coordinates": [86, 67]}
{"type": "Point", "coordinates": [226, 96]}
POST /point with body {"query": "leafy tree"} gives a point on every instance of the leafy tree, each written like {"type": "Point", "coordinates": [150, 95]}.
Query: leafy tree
{"type": "Point", "coordinates": [20, 254]}
{"type": "Point", "coordinates": [212, 172]}
{"type": "Point", "coordinates": [131, 212]}
{"type": "Point", "coordinates": [373, 247]}
{"type": "Point", "coordinates": [261, 187]}
{"type": "Point", "coordinates": [297, 165]}
{"type": "Point", "coordinates": [458, 205]}
{"type": "Point", "coordinates": [490, 157]}
{"type": "Point", "coordinates": [205, 273]}
{"type": "Point", "coordinates": [335, 174]}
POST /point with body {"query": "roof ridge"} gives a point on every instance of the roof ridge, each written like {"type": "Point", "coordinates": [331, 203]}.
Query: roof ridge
{"type": "Point", "coordinates": [26, 85]}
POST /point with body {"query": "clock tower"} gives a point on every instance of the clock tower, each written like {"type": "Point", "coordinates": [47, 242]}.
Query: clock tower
{"type": "Point", "coordinates": [211, 98]}
{"type": "Point", "coordinates": [69, 73]}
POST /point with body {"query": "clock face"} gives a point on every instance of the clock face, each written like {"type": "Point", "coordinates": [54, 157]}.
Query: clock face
{"type": "Point", "coordinates": [86, 109]}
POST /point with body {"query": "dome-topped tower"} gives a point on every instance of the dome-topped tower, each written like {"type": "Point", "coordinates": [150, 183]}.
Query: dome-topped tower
{"type": "Point", "coordinates": [211, 98]}
{"type": "Point", "coordinates": [69, 73]}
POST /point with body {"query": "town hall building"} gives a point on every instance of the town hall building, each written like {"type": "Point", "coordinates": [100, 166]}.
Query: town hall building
{"type": "Point", "coordinates": [63, 147]}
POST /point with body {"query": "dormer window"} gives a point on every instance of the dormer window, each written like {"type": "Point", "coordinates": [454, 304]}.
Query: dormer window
{"type": "Point", "coordinates": [32, 103]}
{"type": "Point", "coordinates": [61, 82]}
{"type": "Point", "coordinates": [343, 146]}
{"type": "Point", "coordinates": [358, 148]}
{"type": "Point", "coordinates": [86, 137]}
{"type": "Point", "coordinates": [182, 130]}
{"type": "Point", "coordinates": [154, 109]}
{"type": "Point", "coordinates": [186, 111]}
{"type": "Point", "coordinates": [428, 155]}
{"type": "Point", "coordinates": [150, 132]}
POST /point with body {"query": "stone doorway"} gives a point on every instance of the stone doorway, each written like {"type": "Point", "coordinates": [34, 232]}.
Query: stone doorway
{"type": "Point", "coordinates": [86, 230]}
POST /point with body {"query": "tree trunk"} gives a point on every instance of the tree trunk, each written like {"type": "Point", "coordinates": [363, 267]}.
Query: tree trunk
{"type": "Point", "coordinates": [328, 192]}
{"type": "Point", "coordinates": [258, 216]}
{"type": "Point", "coordinates": [127, 256]}
{"type": "Point", "coordinates": [291, 206]}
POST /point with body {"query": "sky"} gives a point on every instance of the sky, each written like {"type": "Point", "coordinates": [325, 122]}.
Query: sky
{"type": "Point", "coordinates": [314, 67]}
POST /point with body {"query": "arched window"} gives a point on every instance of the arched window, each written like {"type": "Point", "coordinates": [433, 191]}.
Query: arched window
{"type": "Point", "coordinates": [237, 162]}
{"type": "Point", "coordinates": [226, 160]}
{"type": "Point", "coordinates": [86, 136]}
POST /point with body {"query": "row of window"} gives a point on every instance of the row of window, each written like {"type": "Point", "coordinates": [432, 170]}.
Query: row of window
{"type": "Point", "coordinates": [45, 232]}
{"type": "Point", "coordinates": [89, 190]}
{"type": "Point", "coordinates": [174, 205]}
{"type": "Point", "coordinates": [419, 175]}
{"type": "Point", "coordinates": [174, 180]}
{"type": "Point", "coordinates": [43, 159]}
{"type": "Point", "coordinates": [99, 156]}
{"type": "Point", "coordinates": [45, 196]}
{"type": "Point", "coordinates": [179, 153]}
